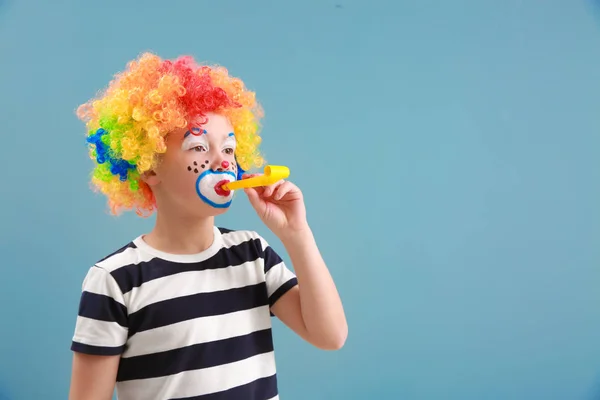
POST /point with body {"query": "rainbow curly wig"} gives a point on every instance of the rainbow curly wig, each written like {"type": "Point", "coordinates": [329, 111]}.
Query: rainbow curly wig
{"type": "Point", "coordinates": [129, 121]}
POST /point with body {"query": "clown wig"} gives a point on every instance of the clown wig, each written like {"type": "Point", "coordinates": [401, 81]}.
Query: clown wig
{"type": "Point", "coordinates": [128, 122]}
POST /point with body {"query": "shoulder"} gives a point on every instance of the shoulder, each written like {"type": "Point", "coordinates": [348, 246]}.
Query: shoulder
{"type": "Point", "coordinates": [120, 266]}
{"type": "Point", "coordinates": [127, 254]}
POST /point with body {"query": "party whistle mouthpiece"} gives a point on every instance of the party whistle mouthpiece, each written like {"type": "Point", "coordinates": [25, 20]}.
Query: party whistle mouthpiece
{"type": "Point", "coordinates": [272, 174]}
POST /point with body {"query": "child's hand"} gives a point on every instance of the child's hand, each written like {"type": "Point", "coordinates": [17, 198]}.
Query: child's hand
{"type": "Point", "coordinates": [280, 206]}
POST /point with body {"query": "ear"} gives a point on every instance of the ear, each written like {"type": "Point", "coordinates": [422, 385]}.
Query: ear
{"type": "Point", "coordinates": [150, 178]}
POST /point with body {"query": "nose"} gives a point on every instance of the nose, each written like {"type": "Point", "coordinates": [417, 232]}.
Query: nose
{"type": "Point", "coordinates": [224, 165]}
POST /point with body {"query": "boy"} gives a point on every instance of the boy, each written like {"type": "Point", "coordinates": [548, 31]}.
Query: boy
{"type": "Point", "coordinates": [184, 311]}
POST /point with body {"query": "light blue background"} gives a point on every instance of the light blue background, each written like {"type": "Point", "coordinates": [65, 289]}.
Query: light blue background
{"type": "Point", "coordinates": [448, 151]}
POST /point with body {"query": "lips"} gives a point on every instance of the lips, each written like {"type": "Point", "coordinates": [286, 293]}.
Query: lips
{"type": "Point", "coordinates": [209, 187]}
{"type": "Point", "coordinates": [220, 190]}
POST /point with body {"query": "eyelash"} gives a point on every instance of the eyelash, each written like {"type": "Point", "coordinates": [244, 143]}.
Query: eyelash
{"type": "Point", "coordinates": [228, 150]}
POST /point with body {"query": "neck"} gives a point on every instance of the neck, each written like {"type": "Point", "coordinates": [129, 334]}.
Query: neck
{"type": "Point", "coordinates": [178, 234]}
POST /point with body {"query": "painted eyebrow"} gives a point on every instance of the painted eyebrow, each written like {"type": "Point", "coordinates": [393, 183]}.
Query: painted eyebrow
{"type": "Point", "coordinates": [188, 133]}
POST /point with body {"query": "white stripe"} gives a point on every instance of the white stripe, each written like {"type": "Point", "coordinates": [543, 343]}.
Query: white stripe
{"type": "Point", "coordinates": [126, 257]}
{"type": "Point", "coordinates": [199, 382]}
{"type": "Point", "coordinates": [99, 281]}
{"type": "Point", "coordinates": [263, 243]}
{"type": "Point", "coordinates": [193, 282]}
{"type": "Point", "coordinates": [199, 330]}
{"type": "Point", "coordinates": [132, 256]}
{"type": "Point", "coordinates": [99, 333]}
{"type": "Point", "coordinates": [237, 237]}
{"type": "Point", "coordinates": [277, 276]}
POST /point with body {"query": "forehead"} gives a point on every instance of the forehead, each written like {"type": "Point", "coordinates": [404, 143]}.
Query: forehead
{"type": "Point", "coordinates": [215, 124]}
{"type": "Point", "coordinates": [213, 127]}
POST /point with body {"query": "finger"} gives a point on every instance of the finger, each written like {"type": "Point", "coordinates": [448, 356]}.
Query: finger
{"type": "Point", "coordinates": [282, 190]}
{"type": "Point", "coordinates": [259, 189]}
{"type": "Point", "coordinates": [271, 188]}
{"type": "Point", "coordinates": [254, 199]}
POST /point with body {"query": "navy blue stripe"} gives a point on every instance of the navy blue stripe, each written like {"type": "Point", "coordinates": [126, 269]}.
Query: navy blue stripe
{"type": "Point", "coordinates": [225, 230]}
{"type": "Point", "coordinates": [282, 290]}
{"type": "Point", "coordinates": [97, 350]}
{"type": "Point", "coordinates": [196, 306]}
{"type": "Point", "coordinates": [103, 308]}
{"type": "Point", "coordinates": [260, 389]}
{"type": "Point", "coordinates": [198, 356]}
{"type": "Point", "coordinates": [134, 275]}
{"type": "Point", "coordinates": [271, 258]}
{"type": "Point", "coordinates": [129, 245]}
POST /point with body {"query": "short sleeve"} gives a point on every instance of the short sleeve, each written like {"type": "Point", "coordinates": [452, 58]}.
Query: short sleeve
{"type": "Point", "coordinates": [278, 276]}
{"type": "Point", "coordinates": [101, 327]}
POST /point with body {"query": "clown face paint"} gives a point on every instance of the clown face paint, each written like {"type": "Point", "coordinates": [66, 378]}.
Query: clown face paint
{"type": "Point", "coordinates": [212, 147]}
{"type": "Point", "coordinates": [209, 187]}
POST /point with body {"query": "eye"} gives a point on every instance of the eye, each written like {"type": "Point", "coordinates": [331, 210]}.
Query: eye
{"type": "Point", "coordinates": [228, 150]}
{"type": "Point", "coordinates": [199, 148]}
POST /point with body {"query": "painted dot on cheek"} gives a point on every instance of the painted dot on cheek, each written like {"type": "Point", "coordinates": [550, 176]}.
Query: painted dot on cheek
{"type": "Point", "coordinates": [196, 170]}
{"type": "Point", "coordinates": [195, 163]}
{"type": "Point", "coordinates": [202, 165]}
{"type": "Point", "coordinates": [189, 168]}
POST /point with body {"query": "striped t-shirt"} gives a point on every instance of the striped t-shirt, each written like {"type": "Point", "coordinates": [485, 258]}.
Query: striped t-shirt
{"type": "Point", "coordinates": [186, 326]}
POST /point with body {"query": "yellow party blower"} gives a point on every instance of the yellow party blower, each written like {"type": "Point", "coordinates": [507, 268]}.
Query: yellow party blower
{"type": "Point", "coordinates": [272, 174]}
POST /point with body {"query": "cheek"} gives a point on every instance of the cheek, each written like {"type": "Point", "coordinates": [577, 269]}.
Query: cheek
{"type": "Point", "coordinates": [230, 165]}
{"type": "Point", "coordinates": [198, 166]}
{"type": "Point", "coordinates": [239, 171]}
